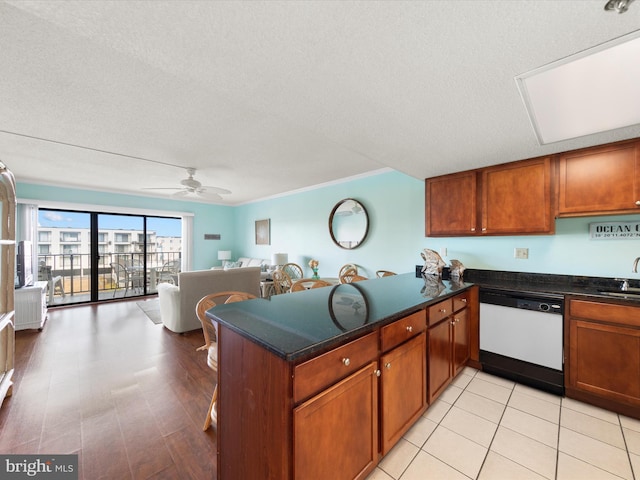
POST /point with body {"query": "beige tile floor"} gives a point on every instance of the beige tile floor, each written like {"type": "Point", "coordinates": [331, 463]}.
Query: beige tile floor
{"type": "Point", "coordinates": [488, 428]}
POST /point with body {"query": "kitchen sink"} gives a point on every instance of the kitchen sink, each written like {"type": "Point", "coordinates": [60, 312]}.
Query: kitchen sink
{"type": "Point", "coordinates": [632, 294]}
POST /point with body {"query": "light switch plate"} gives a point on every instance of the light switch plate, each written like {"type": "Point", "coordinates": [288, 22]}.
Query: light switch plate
{"type": "Point", "coordinates": [521, 253]}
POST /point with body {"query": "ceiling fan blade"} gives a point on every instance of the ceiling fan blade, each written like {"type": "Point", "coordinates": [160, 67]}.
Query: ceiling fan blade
{"type": "Point", "coordinates": [181, 193]}
{"type": "Point", "coordinates": [161, 188]}
{"type": "Point", "coordinates": [208, 195]}
{"type": "Point", "coordinates": [217, 190]}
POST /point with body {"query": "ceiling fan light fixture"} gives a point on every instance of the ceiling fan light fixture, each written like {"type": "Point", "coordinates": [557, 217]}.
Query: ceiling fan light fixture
{"type": "Point", "coordinates": [619, 6]}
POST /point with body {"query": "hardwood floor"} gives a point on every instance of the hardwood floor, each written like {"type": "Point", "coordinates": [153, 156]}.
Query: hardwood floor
{"type": "Point", "coordinates": [129, 397]}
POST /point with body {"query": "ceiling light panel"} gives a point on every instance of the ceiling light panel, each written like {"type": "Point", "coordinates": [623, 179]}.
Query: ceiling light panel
{"type": "Point", "coordinates": [590, 92]}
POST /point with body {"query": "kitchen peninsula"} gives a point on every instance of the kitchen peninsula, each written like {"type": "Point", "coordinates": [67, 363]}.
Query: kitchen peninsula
{"type": "Point", "coordinates": [323, 383]}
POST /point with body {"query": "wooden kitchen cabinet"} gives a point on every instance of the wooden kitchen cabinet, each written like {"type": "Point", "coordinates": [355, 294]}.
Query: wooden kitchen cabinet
{"type": "Point", "coordinates": [604, 354]}
{"type": "Point", "coordinates": [331, 434]}
{"type": "Point", "coordinates": [332, 411]}
{"type": "Point", "coordinates": [517, 198]}
{"type": "Point", "coordinates": [451, 205]}
{"type": "Point", "coordinates": [448, 342]}
{"type": "Point", "coordinates": [336, 432]}
{"type": "Point", "coordinates": [507, 199]}
{"type": "Point", "coordinates": [600, 181]}
{"type": "Point", "coordinates": [403, 382]}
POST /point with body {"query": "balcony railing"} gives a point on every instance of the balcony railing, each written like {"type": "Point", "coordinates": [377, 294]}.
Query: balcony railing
{"type": "Point", "coordinates": [75, 272]}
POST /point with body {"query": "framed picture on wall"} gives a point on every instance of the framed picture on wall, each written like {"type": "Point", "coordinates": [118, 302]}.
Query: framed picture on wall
{"type": "Point", "coordinates": [263, 236]}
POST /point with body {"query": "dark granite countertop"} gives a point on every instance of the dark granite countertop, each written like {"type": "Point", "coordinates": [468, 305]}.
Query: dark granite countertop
{"type": "Point", "coordinates": [540, 283]}
{"type": "Point", "coordinates": [297, 325]}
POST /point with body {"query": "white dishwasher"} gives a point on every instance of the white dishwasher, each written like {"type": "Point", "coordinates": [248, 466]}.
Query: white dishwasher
{"type": "Point", "coordinates": [521, 337]}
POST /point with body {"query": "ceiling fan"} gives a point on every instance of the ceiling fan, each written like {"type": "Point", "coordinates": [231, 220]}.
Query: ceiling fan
{"type": "Point", "coordinates": [191, 186]}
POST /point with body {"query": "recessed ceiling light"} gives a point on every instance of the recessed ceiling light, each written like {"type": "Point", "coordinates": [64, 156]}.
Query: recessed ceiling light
{"type": "Point", "coordinates": [590, 92]}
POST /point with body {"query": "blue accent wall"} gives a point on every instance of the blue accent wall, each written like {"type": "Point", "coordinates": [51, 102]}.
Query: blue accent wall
{"type": "Point", "coordinates": [395, 203]}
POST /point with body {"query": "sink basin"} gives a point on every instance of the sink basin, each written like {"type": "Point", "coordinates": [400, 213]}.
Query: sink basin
{"type": "Point", "coordinates": [630, 294]}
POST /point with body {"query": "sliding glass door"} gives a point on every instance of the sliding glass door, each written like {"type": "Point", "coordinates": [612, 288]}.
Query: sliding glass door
{"type": "Point", "coordinates": [89, 256]}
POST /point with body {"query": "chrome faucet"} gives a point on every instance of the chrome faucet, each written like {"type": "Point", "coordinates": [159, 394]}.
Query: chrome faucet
{"type": "Point", "coordinates": [624, 286]}
{"type": "Point", "coordinates": [635, 265]}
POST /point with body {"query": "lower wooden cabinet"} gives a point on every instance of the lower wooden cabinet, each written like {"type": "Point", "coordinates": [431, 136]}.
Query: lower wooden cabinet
{"type": "Point", "coordinates": [336, 432]}
{"type": "Point", "coordinates": [403, 389]}
{"type": "Point", "coordinates": [337, 413]}
{"type": "Point", "coordinates": [448, 343]}
{"type": "Point", "coordinates": [604, 354]}
{"type": "Point", "coordinates": [439, 358]}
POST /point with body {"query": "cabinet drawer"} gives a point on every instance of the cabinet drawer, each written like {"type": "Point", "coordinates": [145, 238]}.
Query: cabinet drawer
{"type": "Point", "coordinates": [439, 311]}
{"type": "Point", "coordinates": [606, 312]}
{"type": "Point", "coordinates": [460, 301]}
{"type": "Point", "coordinates": [318, 373]}
{"type": "Point", "coordinates": [403, 329]}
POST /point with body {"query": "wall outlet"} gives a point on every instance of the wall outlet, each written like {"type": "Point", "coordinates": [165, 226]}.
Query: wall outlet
{"type": "Point", "coordinates": [521, 253]}
{"type": "Point", "coordinates": [443, 252]}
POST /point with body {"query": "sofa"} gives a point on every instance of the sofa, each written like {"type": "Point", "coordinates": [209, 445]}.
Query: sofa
{"type": "Point", "coordinates": [244, 262]}
{"type": "Point", "coordinates": [178, 303]}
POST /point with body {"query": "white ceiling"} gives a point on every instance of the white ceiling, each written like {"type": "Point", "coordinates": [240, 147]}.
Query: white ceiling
{"type": "Point", "coordinates": [270, 97]}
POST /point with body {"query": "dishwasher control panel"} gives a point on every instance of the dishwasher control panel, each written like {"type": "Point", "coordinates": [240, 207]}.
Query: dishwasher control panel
{"type": "Point", "coordinates": [539, 306]}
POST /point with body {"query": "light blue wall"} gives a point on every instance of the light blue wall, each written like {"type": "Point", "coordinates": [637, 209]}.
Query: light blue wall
{"type": "Point", "coordinates": [299, 227]}
{"type": "Point", "coordinates": [395, 202]}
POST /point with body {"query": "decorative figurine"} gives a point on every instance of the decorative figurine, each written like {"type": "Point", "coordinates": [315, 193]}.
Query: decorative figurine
{"type": "Point", "coordinates": [433, 262]}
{"type": "Point", "coordinates": [457, 269]}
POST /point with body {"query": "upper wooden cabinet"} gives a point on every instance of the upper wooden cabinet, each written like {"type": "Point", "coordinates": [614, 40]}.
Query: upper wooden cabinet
{"type": "Point", "coordinates": [507, 199]}
{"type": "Point", "coordinates": [602, 180]}
{"type": "Point", "coordinates": [451, 204]}
{"type": "Point", "coordinates": [516, 198]}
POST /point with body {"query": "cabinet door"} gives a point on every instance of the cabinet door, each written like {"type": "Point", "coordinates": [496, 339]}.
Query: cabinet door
{"type": "Point", "coordinates": [336, 432]}
{"type": "Point", "coordinates": [404, 389]}
{"type": "Point", "coordinates": [600, 180]}
{"type": "Point", "coordinates": [450, 205]}
{"type": "Point", "coordinates": [516, 198]}
{"type": "Point", "coordinates": [461, 333]}
{"type": "Point", "coordinates": [605, 360]}
{"type": "Point", "coordinates": [439, 358]}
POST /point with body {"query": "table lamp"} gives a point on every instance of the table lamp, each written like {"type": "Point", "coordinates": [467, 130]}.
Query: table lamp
{"type": "Point", "coordinates": [279, 259]}
{"type": "Point", "coordinates": [225, 256]}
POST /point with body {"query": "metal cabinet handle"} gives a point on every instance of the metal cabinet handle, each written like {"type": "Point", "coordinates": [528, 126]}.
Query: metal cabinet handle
{"type": "Point", "coordinates": [463, 300]}
{"type": "Point", "coordinates": [443, 310]}
{"type": "Point", "coordinates": [452, 322]}
{"type": "Point", "coordinates": [387, 365]}
{"type": "Point", "coordinates": [409, 329]}
{"type": "Point", "coordinates": [346, 361]}
{"type": "Point", "coordinates": [637, 203]}
{"type": "Point", "coordinates": [377, 372]}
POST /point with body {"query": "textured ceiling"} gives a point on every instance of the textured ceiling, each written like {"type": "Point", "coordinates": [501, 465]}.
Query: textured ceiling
{"type": "Point", "coordinates": [265, 98]}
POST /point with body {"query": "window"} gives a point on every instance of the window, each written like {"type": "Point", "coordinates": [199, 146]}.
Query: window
{"type": "Point", "coordinates": [122, 238]}
{"type": "Point", "coordinates": [69, 236]}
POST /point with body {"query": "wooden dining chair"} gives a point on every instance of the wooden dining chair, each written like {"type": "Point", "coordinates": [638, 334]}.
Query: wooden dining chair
{"type": "Point", "coordinates": [350, 275]}
{"type": "Point", "coordinates": [347, 266]}
{"type": "Point", "coordinates": [384, 273]}
{"type": "Point", "coordinates": [210, 332]}
{"type": "Point", "coordinates": [281, 282]}
{"type": "Point", "coordinates": [308, 283]}
{"type": "Point", "coordinates": [293, 270]}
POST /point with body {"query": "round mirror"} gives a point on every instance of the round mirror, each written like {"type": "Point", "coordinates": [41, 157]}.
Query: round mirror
{"type": "Point", "coordinates": [348, 223]}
